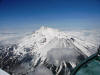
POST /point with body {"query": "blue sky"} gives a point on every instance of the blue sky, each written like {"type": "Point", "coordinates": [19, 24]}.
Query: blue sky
{"type": "Point", "coordinates": [32, 14]}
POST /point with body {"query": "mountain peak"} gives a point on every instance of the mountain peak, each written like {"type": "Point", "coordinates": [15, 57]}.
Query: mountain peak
{"type": "Point", "coordinates": [48, 32]}
{"type": "Point", "coordinates": [45, 28]}
{"type": "Point", "coordinates": [51, 46]}
{"type": "Point", "coordinates": [49, 36]}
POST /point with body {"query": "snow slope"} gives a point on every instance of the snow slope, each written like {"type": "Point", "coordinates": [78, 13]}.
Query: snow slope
{"type": "Point", "coordinates": [3, 72]}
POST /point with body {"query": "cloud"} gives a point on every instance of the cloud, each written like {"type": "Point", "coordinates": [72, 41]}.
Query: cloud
{"type": "Point", "coordinates": [92, 36]}
{"type": "Point", "coordinates": [41, 70]}
{"type": "Point", "coordinates": [9, 38]}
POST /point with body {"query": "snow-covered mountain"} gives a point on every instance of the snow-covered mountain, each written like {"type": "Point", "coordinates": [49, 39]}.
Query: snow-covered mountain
{"type": "Point", "coordinates": [49, 51]}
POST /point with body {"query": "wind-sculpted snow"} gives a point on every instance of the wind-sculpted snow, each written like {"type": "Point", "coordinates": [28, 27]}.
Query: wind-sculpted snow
{"type": "Point", "coordinates": [53, 50]}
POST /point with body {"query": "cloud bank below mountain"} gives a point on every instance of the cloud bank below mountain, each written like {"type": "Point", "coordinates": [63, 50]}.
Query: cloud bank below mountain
{"type": "Point", "coordinates": [91, 36]}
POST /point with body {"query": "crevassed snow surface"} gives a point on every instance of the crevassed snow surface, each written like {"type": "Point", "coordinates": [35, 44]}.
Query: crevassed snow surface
{"type": "Point", "coordinates": [51, 48]}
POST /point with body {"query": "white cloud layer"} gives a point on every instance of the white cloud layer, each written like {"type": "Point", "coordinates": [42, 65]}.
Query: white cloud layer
{"type": "Point", "coordinates": [92, 36]}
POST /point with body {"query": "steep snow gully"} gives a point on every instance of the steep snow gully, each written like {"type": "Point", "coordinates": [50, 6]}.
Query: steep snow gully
{"type": "Point", "coordinates": [49, 51]}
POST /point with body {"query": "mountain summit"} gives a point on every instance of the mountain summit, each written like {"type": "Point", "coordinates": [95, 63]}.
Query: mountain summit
{"type": "Point", "coordinates": [51, 49]}
{"type": "Point", "coordinates": [54, 38]}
